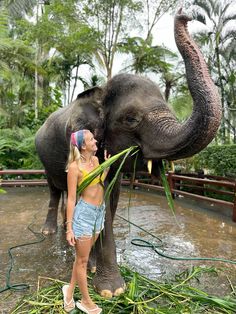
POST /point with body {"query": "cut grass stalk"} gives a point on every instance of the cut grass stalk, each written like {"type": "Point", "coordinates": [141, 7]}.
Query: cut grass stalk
{"type": "Point", "coordinates": [106, 164]}
{"type": "Point", "coordinates": [167, 188]}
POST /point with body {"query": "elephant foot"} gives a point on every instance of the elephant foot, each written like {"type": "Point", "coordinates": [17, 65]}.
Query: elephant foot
{"type": "Point", "coordinates": [109, 286]}
{"type": "Point", "coordinates": [93, 269]}
{"type": "Point", "coordinates": [91, 266]}
{"type": "Point", "coordinates": [50, 226]}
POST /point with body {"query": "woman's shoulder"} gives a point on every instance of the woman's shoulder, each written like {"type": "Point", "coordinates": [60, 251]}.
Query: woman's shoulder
{"type": "Point", "coordinates": [74, 167]}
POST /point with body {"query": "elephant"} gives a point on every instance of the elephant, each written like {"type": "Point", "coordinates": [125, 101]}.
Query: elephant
{"type": "Point", "coordinates": [129, 110]}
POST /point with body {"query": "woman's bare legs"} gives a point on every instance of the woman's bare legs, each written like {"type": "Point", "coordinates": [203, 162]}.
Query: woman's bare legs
{"type": "Point", "coordinates": [79, 273]}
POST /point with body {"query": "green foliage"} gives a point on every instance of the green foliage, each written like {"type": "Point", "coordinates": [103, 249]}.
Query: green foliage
{"type": "Point", "coordinates": [216, 160]}
{"type": "Point", "coordinates": [219, 36]}
{"type": "Point", "coordinates": [112, 21]}
{"type": "Point", "coordinates": [219, 160]}
{"type": "Point", "coordinates": [106, 164]}
{"type": "Point", "coordinates": [178, 295]}
{"type": "Point", "coordinates": [17, 149]}
{"type": "Point", "coordinates": [182, 104]}
{"type": "Point", "coordinates": [167, 187]}
{"type": "Point", "coordinates": [145, 57]}
{"type": "Point", "coordinates": [54, 97]}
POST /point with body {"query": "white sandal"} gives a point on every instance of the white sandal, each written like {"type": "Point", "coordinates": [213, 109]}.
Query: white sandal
{"type": "Point", "coordinates": [68, 306]}
{"type": "Point", "coordinates": [87, 311]}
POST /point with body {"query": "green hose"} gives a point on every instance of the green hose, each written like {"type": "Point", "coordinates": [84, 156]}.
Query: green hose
{"type": "Point", "coordinates": [19, 286]}
{"type": "Point", "coordinates": [144, 243]}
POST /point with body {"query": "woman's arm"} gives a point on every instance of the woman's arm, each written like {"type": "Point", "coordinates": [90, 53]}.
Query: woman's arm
{"type": "Point", "coordinates": [72, 181]}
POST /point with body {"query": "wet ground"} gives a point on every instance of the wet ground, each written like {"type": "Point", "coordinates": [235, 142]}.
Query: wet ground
{"type": "Point", "coordinates": [202, 231]}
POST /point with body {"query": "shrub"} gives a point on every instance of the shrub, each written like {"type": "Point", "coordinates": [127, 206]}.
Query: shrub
{"type": "Point", "coordinates": [219, 160]}
{"type": "Point", "coordinates": [216, 160]}
{"type": "Point", "coordinates": [17, 149]}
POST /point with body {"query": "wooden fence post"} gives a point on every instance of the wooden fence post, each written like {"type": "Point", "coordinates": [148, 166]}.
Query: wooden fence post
{"type": "Point", "coordinates": [171, 183]}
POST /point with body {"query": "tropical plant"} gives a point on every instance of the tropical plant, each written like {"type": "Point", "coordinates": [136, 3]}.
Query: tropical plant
{"type": "Point", "coordinates": [219, 35]}
{"type": "Point", "coordinates": [215, 159]}
{"type": "Point", "coordinates": [17, 149]}
{"type": "Point", "coordinates": [72, 41]}
{"type": "Point", "coordinates": [110, 19]}
{"type": "Point", "coordinates": [145, 56]}
{"type": "Point", "coordinates": [18, 8]}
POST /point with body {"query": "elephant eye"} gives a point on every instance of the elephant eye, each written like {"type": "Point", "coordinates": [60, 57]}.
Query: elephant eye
{"type": "Point", "coordinates": [131, 119]}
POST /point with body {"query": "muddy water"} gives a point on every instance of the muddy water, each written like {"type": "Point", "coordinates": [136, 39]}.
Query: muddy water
{"type": "Point", "coordinates": [202, 231]}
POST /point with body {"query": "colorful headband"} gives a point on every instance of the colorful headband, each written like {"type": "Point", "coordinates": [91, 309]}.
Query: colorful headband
{"type": "Point", "coordinates": [77, 138]}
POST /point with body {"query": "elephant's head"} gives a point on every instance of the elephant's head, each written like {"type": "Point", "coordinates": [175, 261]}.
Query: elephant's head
{"type": "Point", "coordinates": [135, 113]}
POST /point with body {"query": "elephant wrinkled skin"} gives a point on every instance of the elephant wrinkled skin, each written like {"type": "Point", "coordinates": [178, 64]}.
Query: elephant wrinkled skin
{"type": "Point", "coordinates": [129, 110]}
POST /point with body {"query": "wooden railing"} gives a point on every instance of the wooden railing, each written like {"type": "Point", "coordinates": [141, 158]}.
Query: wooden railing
{"type": "Point", "coordinates": [197, 187]}
{"type": "Point", "coordinates": [19, 180]}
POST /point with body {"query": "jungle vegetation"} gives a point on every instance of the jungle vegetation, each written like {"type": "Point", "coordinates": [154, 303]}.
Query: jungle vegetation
{"type": "Point", "coordinates": [49, 48]}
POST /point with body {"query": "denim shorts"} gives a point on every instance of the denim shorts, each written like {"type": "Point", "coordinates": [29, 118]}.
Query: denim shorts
{"type": "Point", "coordinates": [88, 219]}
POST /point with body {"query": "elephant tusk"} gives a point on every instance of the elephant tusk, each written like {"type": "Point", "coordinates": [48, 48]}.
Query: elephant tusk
{"type": "Point", "coordinates": [149, 166]}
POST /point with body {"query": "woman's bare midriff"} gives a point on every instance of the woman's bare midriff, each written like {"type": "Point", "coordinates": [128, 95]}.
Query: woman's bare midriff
{"type": "Point", "coordinates": [93, 194]}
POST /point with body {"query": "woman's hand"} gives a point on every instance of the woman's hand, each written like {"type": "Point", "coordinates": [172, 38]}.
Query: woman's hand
{"type": "Point", "coordinates": [70, 237]}
{"type": "Point", "coordinates": [105, 155]}
{"type": "Point", "coordinates": [106, 158]}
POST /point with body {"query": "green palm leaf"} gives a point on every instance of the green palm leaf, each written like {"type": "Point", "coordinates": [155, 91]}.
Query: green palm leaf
{"type": "Point", "coordinates": [167, 188]}
{"type": "Point", "coordinates": [106, 164]}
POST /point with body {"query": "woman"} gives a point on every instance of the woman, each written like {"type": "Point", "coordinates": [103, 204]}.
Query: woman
{"type": "Point", "coordinates": [85, 220]}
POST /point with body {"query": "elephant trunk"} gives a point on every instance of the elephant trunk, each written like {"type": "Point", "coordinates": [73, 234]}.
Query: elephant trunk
{"type": "Point", "coordinates": [184, 140]}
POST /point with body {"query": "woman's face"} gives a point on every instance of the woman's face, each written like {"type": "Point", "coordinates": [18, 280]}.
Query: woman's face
{"type": "Point", "coordinates": [90, 142]}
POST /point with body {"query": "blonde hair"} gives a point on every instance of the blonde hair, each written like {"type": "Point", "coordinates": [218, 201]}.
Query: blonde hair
{"type": "Point", "coordinates": [74, 153]}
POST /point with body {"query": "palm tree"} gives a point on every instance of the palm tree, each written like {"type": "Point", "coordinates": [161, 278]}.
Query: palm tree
{"type": "Point", "coordinates": [18, 8]}
{"type": "Point", "coordinates": [229, 78]}
{"type": "Point", "coordinates": [217, 16]}
{"type": "Point", "coordinates": [16, 68]}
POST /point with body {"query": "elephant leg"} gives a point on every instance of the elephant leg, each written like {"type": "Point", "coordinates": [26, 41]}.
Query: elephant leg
{"type": "Point", "coordinates": [50, 225]}
{"type": "Point", "coordinates": [108, 280]}
{"type": "Point", "coordinates": [114, 198]}
{"type": "Point", "coordinates": [92, 261]}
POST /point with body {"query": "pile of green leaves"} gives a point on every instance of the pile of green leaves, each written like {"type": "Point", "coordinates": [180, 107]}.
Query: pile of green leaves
{"type": "Point", "coordinates": [142, 296]}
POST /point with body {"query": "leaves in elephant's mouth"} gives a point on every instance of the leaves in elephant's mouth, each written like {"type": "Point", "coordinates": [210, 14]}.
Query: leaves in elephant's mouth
{"type": "Point", "coordinates": [106, 164]}
{"type": "Point", "coordinates": [125, 153]}
{"type": "Point", "coordinates": [167, 187]}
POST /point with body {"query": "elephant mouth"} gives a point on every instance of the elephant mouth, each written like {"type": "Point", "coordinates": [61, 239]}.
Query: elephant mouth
{"type": "Point", "coordinates": [152, 166]}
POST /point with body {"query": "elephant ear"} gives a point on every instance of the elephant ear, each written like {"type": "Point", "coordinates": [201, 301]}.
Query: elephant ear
{"type": "Point", "coordinates": [95, 93]}
{"type": "Point", "coordinates": [87, 112]}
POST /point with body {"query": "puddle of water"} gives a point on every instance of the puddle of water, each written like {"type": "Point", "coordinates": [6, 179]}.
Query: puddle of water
{"type": "Point", "coordinates": [199, 233]}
